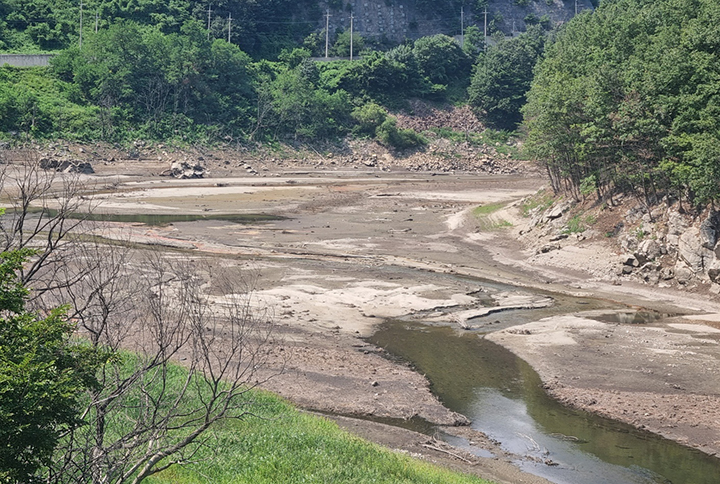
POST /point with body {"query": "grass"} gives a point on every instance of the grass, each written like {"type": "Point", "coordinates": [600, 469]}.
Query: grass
{"type": "Point", "coordinates": [579, 224]}
{"type": "Point", "coordinates": [283, 445]}
{"type": "Point", "coordinates": [484, 210]}
{"type": "Point", "coordinates": [486, 221]}
{"type": "Point", "coordinates": [542, 199]}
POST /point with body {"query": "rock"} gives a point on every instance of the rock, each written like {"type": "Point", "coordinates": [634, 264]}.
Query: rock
{"type": "Point", "coordinates": [675, 228]}
{"type": "Point", "coordinates": [556, 211]}
{"type": "Point", "coordinates": [708, 231]}
{"type": "Point", "coordinates": [631, 261]}
{"type": "Point", "coordinates": [626, 269]}
{"type": "Point", "coordinates": [548, 248]}
{"type": "Point", "coordinates": [647, 250]}
{"type": "Point", "coordinates": [692, 251]}
{"type": "Point", "coordinates": [666, 273]}
{"type": "Point", "coordinates": [557, 237]}
{"type": "Point", "coordinates": [714, 271]}
{"type": "Point", "coordinates": [84, 168]}
{"type": "Point", "coordinates": [185, 170]}
{"type": "Point", "coordinates": [66, 166]}
{"type": "Point", "coordinates": [683, 274]}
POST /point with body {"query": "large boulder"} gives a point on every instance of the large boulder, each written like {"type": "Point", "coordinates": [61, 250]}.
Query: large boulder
{"type": "Point", "coordinates": [66, 165]}
{"type": "Point", "coordinates": [714, 271]}
{"type": "Point", "coordinates": [683, 274]}
{"type": "Point", "coordinates": [647, 250]}
{"type": "Point", "coordinates": [692, 251]}
{"type": "Point", "coordinates": [675, 228]}
{"type": "Point", "coordinates": [708, 231]}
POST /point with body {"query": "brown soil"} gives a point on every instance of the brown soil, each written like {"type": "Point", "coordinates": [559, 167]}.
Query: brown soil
{"type": "Point", "coordinates": [362, 244]}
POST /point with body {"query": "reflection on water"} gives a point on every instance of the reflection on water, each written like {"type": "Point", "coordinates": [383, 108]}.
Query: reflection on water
{"type": "Point", "coordinates": [504, 398]}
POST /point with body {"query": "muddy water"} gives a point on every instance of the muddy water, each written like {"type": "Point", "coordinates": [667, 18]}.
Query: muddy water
{"type": "Point", "coordinates": [504, 398]}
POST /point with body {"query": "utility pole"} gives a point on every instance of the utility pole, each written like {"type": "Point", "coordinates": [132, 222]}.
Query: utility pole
{"type": "Point", "coordinates": [462, 26]}
{"type": "Point", "coordinates": [485, 32]}
{"type": "Point", "coordinates": [327, 32]}
{"type": "Point", "coordinates": [576, 7]}
{"type": "Point", "coordinates": [208, 28]}
{"type": "Point", "coordinates": [229, 24]}
{"type": "Point", "coordinates": [97, 17]}
{"type": "Point", "coordinates": [351, 36]}
{"type": "Point", "coordinates": [81, 19]}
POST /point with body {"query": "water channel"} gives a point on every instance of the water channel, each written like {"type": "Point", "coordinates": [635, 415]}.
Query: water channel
{"type": "Point", "coordinates": [503, 397]}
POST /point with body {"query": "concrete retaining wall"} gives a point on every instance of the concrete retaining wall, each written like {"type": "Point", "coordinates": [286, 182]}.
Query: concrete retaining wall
{"type": "Point", "coordinates": [25, 60]}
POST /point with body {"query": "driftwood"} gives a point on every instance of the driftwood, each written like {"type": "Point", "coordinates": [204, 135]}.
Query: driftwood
{"type": "Point", "coordinates": [438, 449]}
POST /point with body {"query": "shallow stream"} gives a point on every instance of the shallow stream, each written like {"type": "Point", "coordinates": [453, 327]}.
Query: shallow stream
{"type": "Point", "coordinates": [503, 397]}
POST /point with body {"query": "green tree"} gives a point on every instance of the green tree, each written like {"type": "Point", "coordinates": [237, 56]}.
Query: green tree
{"type": "Point", "coordinates": [474, 42]}
{"type": "Point", "coordinates": [628, 95]}
{"type": "Point", "coordinates": [166, 84]}
{"type": "Point", "coordinates": [440, 59]}
{"type": "Point", "coordinates": [502, 78]}
{"type": "Point", "coordinates": [300, 106]}
{"type": "Point", "coordinates": [341, 47]}
{"type": "Point", "coordinates": [368, 117]}
{"type": "Point", "coordinates": [390, 135]}
{"type": "Point", "coordinates": [388, 78]}
{"type": "Point", "coordinates": [43, 376]}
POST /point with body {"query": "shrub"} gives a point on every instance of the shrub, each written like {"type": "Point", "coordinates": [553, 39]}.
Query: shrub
{"type": "Point", "coordinates": [389, 135]}
{"type": "Point", "coordinates": [369, 117]}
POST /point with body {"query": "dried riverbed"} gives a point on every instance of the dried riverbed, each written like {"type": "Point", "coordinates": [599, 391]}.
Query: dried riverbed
{"type": "Point", "coordinates": [356, 248]}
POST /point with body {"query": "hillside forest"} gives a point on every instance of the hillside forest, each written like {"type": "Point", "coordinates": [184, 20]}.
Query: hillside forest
{"type": "Point", "coordinates": [623, 97]}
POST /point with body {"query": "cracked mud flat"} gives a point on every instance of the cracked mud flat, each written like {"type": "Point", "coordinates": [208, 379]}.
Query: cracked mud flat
{"type": "Point", "coordinates": [359, 248]}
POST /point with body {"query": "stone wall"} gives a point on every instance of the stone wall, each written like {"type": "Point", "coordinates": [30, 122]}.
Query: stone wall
{"type": "Point", "coordinates": [397, 20]}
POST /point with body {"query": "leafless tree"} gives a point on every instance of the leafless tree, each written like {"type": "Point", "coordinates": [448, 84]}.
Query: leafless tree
{"type": "Point", "coordinates": [181, 343]}
{"type": "Point", "coordinates": [147, 413]}
{"type": "Point", "coordinates": [41, 204]}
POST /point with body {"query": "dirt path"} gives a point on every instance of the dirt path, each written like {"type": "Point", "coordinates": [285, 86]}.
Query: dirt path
{"type": "Point", "coordinates": [357, 248]}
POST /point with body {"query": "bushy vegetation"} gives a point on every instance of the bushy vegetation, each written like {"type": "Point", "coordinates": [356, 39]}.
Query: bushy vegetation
{"type": "Point", "coordinates": [42, 25]}
{"type": "Point", "coordinates": [627, 97]}
{"type": "Point", "coordinates": [503, 75]}
{"type": "Point", "coordinates": [43, 374]}
{"type": "Point", "coordinates": [175, 81]}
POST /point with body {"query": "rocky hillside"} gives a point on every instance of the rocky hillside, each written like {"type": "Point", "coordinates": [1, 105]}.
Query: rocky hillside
{"type": "Point", "coordinates": [396, 20]}
{"type": "Point", "coordinates": [666, 244]}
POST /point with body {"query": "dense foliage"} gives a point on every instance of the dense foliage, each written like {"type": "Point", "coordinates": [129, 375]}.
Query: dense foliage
{"type": "Point", "coordinates": [43, 375]}
{"type": "Point", "coordinates": [166, 71]}
{"type": "Point", "coordinates": [159, 83]}
{"type": "Point", "coordinates": [31, 25]}
{"type": "Point", "coordinates": [503, 75]}
{"type": "Point", "coordinates": [629, 97]}
{"type": "Point", "coordinates": [131, 81]}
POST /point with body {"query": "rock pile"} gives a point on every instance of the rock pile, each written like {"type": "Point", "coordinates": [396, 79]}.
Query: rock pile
{"type": "Point", "coordinates": [423, 118]}
{"type": "Point", "coordinates": [185, 169]}
{"type": "Point", "coordinates": [65, 165]}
